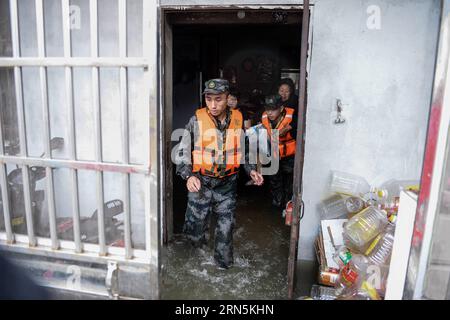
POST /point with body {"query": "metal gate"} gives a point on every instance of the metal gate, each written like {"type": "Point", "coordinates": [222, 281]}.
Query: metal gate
{"type": "Point", "coordinates": [80, 83]}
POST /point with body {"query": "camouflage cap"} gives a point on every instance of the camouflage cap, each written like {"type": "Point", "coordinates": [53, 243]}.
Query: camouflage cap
{"type": "Point", "coordinates": [272, 102]}
{"type": "Point", "coordinates": [216, 86]}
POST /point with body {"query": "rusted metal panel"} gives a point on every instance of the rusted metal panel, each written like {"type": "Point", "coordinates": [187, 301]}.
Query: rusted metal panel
{"type": "Point", "coordinates": [142, 280]}
{"type": "Point", "coordinates": [250, 4]}
{"type": "Point", "coordinates": [102, 62]}
{"type": "Point", "coordinates": [155, 179]}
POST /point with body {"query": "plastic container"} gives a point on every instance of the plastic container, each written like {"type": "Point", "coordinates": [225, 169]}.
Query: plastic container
{"type": "Point", "coordinates": [360, 230]}
{"type": "Point", "coordinates": [365, 291]}
{"type": "Point", "coordinates": [348, 184]}
{"type": "Point", "coordinates": [333, 207]}
{"type": "Point", "coordinates": [379, 252]}
{"type": "Point", "coordinates": [375, 197]}
{"type": "Point", "coordinates": [338, 206]}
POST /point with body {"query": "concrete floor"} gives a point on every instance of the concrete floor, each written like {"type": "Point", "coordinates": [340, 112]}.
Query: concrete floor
{"type": "Point", "coordinates": [261, 248]}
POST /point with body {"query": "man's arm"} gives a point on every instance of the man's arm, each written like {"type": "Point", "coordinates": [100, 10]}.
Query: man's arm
{"type": "Point", "coordinates": [294, 125]}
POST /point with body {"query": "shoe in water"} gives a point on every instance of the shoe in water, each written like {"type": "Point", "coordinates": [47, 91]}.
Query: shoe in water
{"type": "Point", "coordinates": [249, 183]}
{"type": "Point", "coordinates": [179, 239]}
{"type": "Point", "coordinates": [222, 266]}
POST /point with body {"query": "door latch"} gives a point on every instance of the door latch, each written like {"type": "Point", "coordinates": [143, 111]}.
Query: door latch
{"type": "Point", "coordinates": [111, 281]}
{"type": "Point", "coordinates": [339, 119]}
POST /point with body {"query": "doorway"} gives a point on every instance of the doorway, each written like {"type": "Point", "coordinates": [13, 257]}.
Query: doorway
{"type": "Point", "coordinates": [254, 50]}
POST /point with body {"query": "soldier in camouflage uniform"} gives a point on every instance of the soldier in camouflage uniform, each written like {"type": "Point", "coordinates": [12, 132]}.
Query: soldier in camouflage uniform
{"type": "Point", "coordinates": [212, 185]}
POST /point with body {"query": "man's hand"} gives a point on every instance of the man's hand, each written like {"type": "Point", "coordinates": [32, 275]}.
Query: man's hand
{"type": "Point", "coordinates": [193, 184]}
{"type": "Point", "coordinates": [257, 177]}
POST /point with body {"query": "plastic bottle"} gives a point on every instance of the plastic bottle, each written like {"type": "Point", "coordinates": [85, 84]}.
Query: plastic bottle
{"type": "Point", "coordinates": [352, 275]}
{"type": "Point", "coordinates": [379, 252]}
{"type": "Point", "coordinates": [348, 184]}
{"type": "Point", "coordinates": [361, 280]}
{"type": "Point", "coordinates": [338, 206]}
{"type": "Point", "coordinates": [354, 204]}
{"type": "Point", "coordinates": [384, 273]}
{"type": "Point", "coordinates": [375, 197]}
{"type": "Point", "coordinates": [323, 293]}
{"type": "Point", "coordinates": [390, 206]}
{"type": "Point", "coordinates": [360, 230]}
{"type": "Point", "coordinates": [333, 207]}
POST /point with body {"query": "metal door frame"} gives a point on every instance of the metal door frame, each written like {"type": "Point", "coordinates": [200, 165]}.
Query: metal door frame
{"type": "Point", "coordinates": [433, 165]}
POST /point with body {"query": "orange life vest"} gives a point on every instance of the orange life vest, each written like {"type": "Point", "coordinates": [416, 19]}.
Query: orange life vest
{"type": "Point", "coordinates": [286, 143]}
{"type": "Point", "coordinates": [213, 155]}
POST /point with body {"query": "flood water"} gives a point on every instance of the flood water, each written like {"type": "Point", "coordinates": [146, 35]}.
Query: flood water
{"type": "Point", "coordinates": [261, 248]}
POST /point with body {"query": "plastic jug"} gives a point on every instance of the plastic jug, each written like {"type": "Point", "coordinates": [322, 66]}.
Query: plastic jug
{"type": "Point", "coordinates": [391, 189]}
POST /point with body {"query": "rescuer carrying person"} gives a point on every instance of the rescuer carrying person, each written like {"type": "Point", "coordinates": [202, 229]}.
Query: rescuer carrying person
{"type": "Point", "coordinates": [284, 119]}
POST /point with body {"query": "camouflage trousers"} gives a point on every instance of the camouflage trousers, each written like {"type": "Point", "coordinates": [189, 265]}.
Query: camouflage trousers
{"type": "Point", "coordinates": [281, 182]}
{"type": "Point", "coordinates": [216, 196]}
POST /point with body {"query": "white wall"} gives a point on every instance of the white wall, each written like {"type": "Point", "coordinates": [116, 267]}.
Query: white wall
{"type": "Point", "coordinates": [384, 78]}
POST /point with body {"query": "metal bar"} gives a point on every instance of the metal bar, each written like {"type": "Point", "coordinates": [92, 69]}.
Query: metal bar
{"type": "Point", "coordinates": [182, 6]}
{"type": "Point", "coordinates": [90, 252]}
{"type": "Point", "coordinates": [229, 17]}
{"type": "Point", "coordinates": [125, 135]}
{"type": "Point", "coordinates": [22, 132]}
{"type": "Point", "coordinates": [51, 208]}
{"type": "Point", "coordinates": [74, 62]}
{"type": "Point", "coordinates": [433, 166]}
{"type": "Point", "coordinates": [98, 127]}
{"type": "Point", "coordinates": [300, 147]}
{"type": "Point", "coordinates": [4, 189]}
{"type": "Point", "coordinates": [50, 190]}
{"type": "Point", "coordinates": [72, 138]}
{"type": "Point", "coordinates": [14, 16]}
{"type": "Point", "coordinates": [80, 165]}
{"type": "Point", "coordinates": [153, 203]}
{"type": "Point", "coordinates": [165, 37]}
{"type": "Point", "coordinates": [152, 206]}
{"type": "Point", "coordinates": [5, 201]}
{"type": "Point", "coordinates": [46, 117]}
{"type": "Point", "coordinates": [146, 48]}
